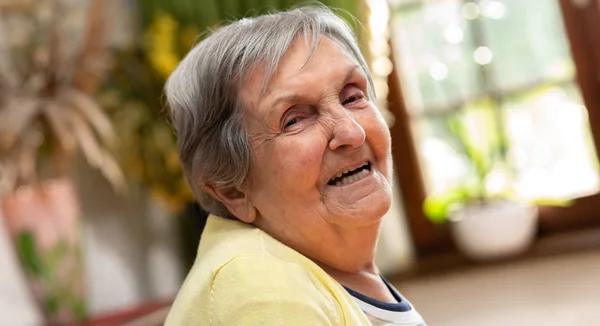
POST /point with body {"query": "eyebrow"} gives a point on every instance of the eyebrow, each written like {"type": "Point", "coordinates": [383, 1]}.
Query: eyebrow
{"type": "Point", "coordinates": [295, 97]}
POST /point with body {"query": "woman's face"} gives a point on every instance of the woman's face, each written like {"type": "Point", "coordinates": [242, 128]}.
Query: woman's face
{"type": "Point", "coordinates": [322, 163]}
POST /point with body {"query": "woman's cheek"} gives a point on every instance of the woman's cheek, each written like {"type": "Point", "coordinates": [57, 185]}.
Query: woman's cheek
{"type": "Point", "coordinates": [301, 158]}
{"type": "Point", "coordinates": [309, 154]}
{"type": "Point", "coordinates": [379, 134]}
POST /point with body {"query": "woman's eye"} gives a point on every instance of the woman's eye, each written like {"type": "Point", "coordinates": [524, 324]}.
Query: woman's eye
{"type": "Point", "coordinates": [349, 100]}
{"type": "Point", "coordinates": [292, 122]}
{"type": "Point", "coordinates": [352, 99]}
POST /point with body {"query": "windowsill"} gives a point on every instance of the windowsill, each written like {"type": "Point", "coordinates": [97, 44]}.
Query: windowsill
{"type": "Point", "coordinates": [545, 246]}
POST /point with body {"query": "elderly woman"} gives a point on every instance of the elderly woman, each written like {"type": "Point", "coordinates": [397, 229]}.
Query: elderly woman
{"type": "Point", "coordinates": [280, 141]}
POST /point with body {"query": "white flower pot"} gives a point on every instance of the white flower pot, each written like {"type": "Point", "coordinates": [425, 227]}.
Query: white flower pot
{"type": "Point", "coordinates": [494, 229]}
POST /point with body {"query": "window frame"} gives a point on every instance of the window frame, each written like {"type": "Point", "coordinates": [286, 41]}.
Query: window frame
{"type": "Point", "coordinates": [580, 23]}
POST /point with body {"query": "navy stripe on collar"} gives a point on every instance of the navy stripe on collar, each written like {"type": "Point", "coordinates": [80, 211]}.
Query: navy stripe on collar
{"type": "Point", "coordinates": [401, 305]}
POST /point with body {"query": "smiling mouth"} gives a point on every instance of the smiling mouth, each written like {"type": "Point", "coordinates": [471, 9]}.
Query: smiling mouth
{"type": "Point", "coordinates": [349, 176]}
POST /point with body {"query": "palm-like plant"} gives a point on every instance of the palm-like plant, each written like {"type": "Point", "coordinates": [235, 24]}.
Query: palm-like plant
{"type": "Point", "coordinates": [482, 155]}
{"type": "Point", "coordinates": [483, 152]}
{"type": "Point", "coordinates": [46, 81]}
{"type": "Point", "coordinates": [47, 115]}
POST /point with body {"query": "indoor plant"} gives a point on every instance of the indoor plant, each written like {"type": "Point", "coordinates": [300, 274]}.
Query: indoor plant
{"type": "Point", "coordinates": [47, 114]}
{"type": "Point", "coordinates": [486, 220]}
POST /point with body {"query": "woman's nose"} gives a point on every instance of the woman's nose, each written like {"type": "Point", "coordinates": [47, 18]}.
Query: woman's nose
{"type": "Point", "coordinates": [347, 132]}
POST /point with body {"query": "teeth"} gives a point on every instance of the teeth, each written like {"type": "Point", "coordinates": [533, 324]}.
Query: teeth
{"type": "Point", "coordinates": [352, 178]}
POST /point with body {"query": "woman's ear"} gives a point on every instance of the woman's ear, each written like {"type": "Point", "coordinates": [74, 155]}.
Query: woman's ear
{"type": "Point", "coordinates": [236, 201]}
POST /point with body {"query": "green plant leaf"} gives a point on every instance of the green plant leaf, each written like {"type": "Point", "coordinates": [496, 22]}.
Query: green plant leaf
{"type": "Point", "coordinates": [553, 202]}
{"type": "Point", "coordinates": [56, 254]}
{"type": "Point", "coordinates": [52, 304]}
{"type": "Point", "coordinates": [28, 255]}
{"type": "Point", "coordinates": [79, 309]}
{"type": "Point", "coordinates": [438, 207]}
{"type": "Point", "coordinates": [477, 156]}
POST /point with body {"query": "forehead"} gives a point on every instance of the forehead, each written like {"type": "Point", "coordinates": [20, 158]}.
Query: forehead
{"type": "Point", "coordinates": [302, 58]}
{"type": "Point", "coordinates": [300, 64]}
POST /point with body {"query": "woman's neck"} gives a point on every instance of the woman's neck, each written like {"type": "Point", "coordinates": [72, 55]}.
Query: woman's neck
{"type": "Point", "coordinates": [367, 282]}
{"type": "Point", "coordinates": [355, 265]}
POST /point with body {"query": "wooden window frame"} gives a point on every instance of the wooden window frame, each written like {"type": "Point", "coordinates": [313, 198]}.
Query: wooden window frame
{"type": "Point", "coordinates": [582, 25]}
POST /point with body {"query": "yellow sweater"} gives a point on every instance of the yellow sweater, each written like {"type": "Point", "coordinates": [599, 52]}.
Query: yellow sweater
{"type": "Point", "coordinates": [243, 276]}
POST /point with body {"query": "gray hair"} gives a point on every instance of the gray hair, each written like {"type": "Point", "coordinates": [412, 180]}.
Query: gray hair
{"type": "Point", "coordinates": [202, 93]}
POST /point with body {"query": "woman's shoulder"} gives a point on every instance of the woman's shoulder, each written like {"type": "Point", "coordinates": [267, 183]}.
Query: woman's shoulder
{"type": "Point", "coordinates": [234, 248]}
{"type": "Point", "coordinates": [254, 289]}
{"type": "Point", "coordinates": [224, 240]}
{"type": "Point", "coordinates": [267, 286]}
{"type": "Point", "coordinates": [241, 268]}
{"type": "Point", "coordinates": [261, 274]}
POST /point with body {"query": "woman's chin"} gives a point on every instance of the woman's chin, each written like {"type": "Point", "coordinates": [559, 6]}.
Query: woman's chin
{"type": "Point", "coordinates": [366, 210]}
{"type": "Point", "coordinates": [372, 189]}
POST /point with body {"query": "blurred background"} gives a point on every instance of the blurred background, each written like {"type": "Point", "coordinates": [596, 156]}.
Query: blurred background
{"type": "Point", "coordinates": [494, 110]}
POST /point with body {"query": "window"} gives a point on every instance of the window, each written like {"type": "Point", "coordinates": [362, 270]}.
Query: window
{"type": "Point", "coordinates": [504, 68]}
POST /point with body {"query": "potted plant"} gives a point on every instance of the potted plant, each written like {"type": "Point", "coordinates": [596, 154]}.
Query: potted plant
{"type": "Point", "coordinates": [47, 115]}
{"type": "Point", "coordinates": [486, 219]}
